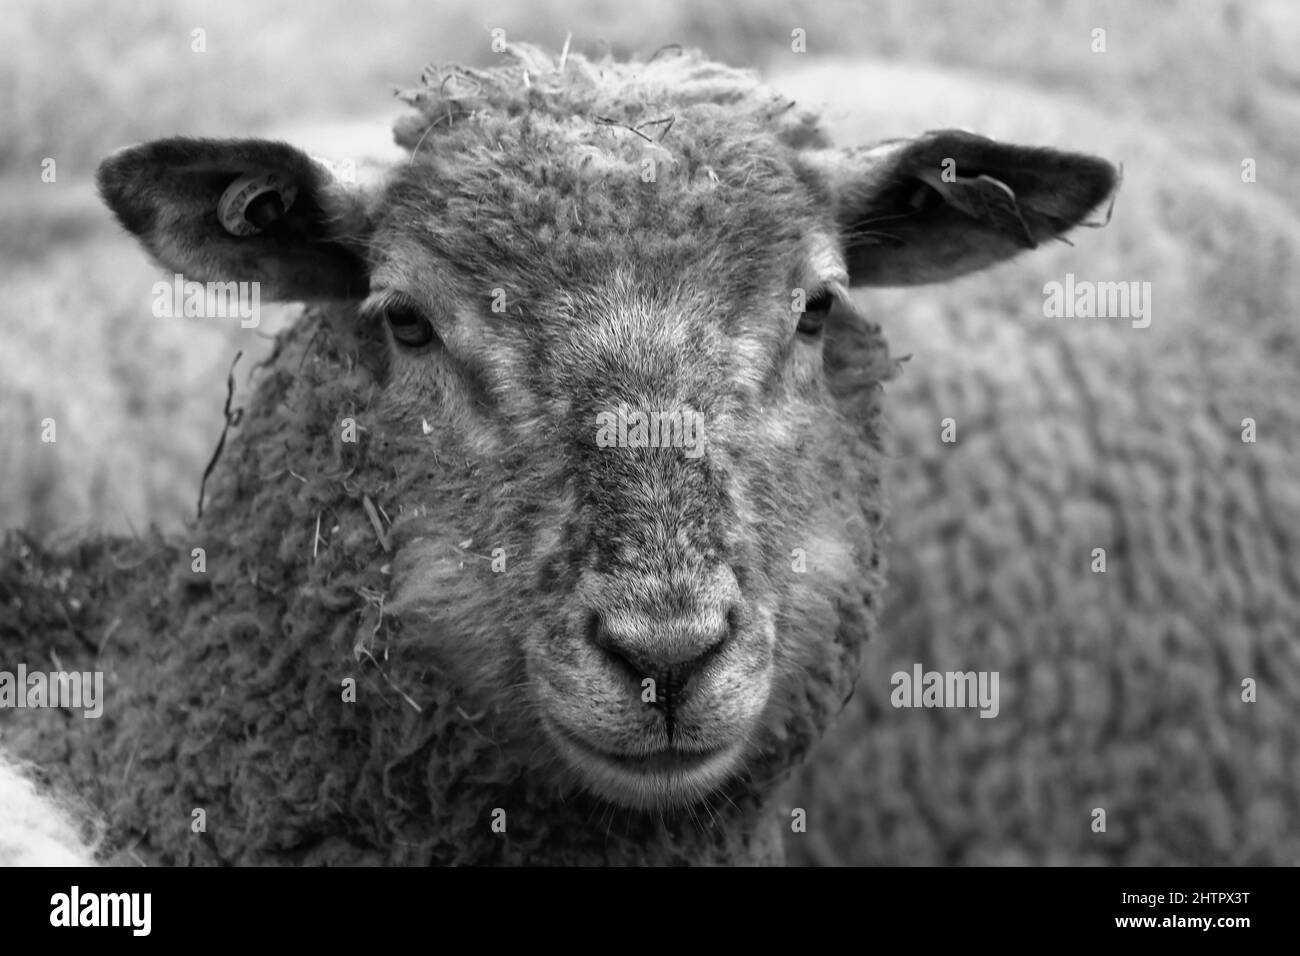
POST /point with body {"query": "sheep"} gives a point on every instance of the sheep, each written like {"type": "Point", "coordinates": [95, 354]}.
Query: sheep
{"type": "Point", "coordinates": [429, 614]}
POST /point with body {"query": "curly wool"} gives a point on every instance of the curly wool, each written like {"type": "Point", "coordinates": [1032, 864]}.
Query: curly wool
{"type": "Point", "coordinates": [599, 168]}
{"type": "Point", "coordinates": [586, 100]}
{"type": "Point", "coordinates": [1121, 690]}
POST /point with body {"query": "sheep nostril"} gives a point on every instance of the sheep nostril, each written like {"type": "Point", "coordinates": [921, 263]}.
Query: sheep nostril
{"type": "Point", "coordinates": [684, 670]}
{"type": "Point", "coordinates": [735, 621]}
{"type": "Point", "coordinates": [593, 628]}
{"type": "Point", "coordinates": [622, 656]}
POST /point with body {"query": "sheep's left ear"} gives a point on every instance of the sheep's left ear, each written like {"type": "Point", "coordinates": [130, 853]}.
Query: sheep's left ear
{"type": "Point", "coordinates": [951, 202]}
{"type": "Point", "coordinates": [242, 210]}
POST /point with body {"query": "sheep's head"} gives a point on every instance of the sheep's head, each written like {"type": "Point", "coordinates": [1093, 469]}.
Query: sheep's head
{"type": "Point", "coordinates": [623, 362]}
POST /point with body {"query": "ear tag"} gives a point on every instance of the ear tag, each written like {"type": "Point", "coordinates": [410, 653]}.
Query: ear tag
{"type": "Point", "coordinates": [988, 201]}
{"type": "Point", "coordinates": [254, 201]}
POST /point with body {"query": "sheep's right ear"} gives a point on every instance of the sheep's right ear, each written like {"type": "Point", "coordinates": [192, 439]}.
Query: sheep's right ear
{"type": "Point", "coordinates": [242, 210]}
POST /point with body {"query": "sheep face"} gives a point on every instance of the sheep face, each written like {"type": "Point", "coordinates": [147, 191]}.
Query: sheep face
{"type": "Point", "coordinates": [635, 362]}
{"type": "Point", "coordinates": [626, 368]}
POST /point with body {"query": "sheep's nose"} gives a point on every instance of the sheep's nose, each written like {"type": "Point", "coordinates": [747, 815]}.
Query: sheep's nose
{"type": "Point", "coordinates": [669, 641]}
{"type": "Point", "coordinates": [668, 651]}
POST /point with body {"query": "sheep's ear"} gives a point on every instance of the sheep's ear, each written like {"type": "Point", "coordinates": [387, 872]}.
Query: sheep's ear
{"type": "Point", "coordinates": [951, 202]}
{"type": "Point", "coordinates": [242, 210]}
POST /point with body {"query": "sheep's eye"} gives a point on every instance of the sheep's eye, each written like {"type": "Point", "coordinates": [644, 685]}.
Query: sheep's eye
{"type": "Point", "coordinates": [409, 325]}
{"type": "Point", "coordinates": [814, 313]}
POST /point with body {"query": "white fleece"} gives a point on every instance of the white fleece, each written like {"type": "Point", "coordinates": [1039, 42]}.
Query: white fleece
{"type": "Point", "coordinates": [34, 829]}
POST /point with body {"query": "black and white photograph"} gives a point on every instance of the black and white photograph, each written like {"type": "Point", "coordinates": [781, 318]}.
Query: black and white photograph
{"type": "Point", "coordinates": [578, 433]}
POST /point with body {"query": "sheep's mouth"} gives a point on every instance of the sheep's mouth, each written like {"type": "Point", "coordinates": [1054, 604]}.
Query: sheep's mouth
{"type": "Point", "coordinates": [663, 778]}
{"type": "Point", "coordinates": [668, 760]}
